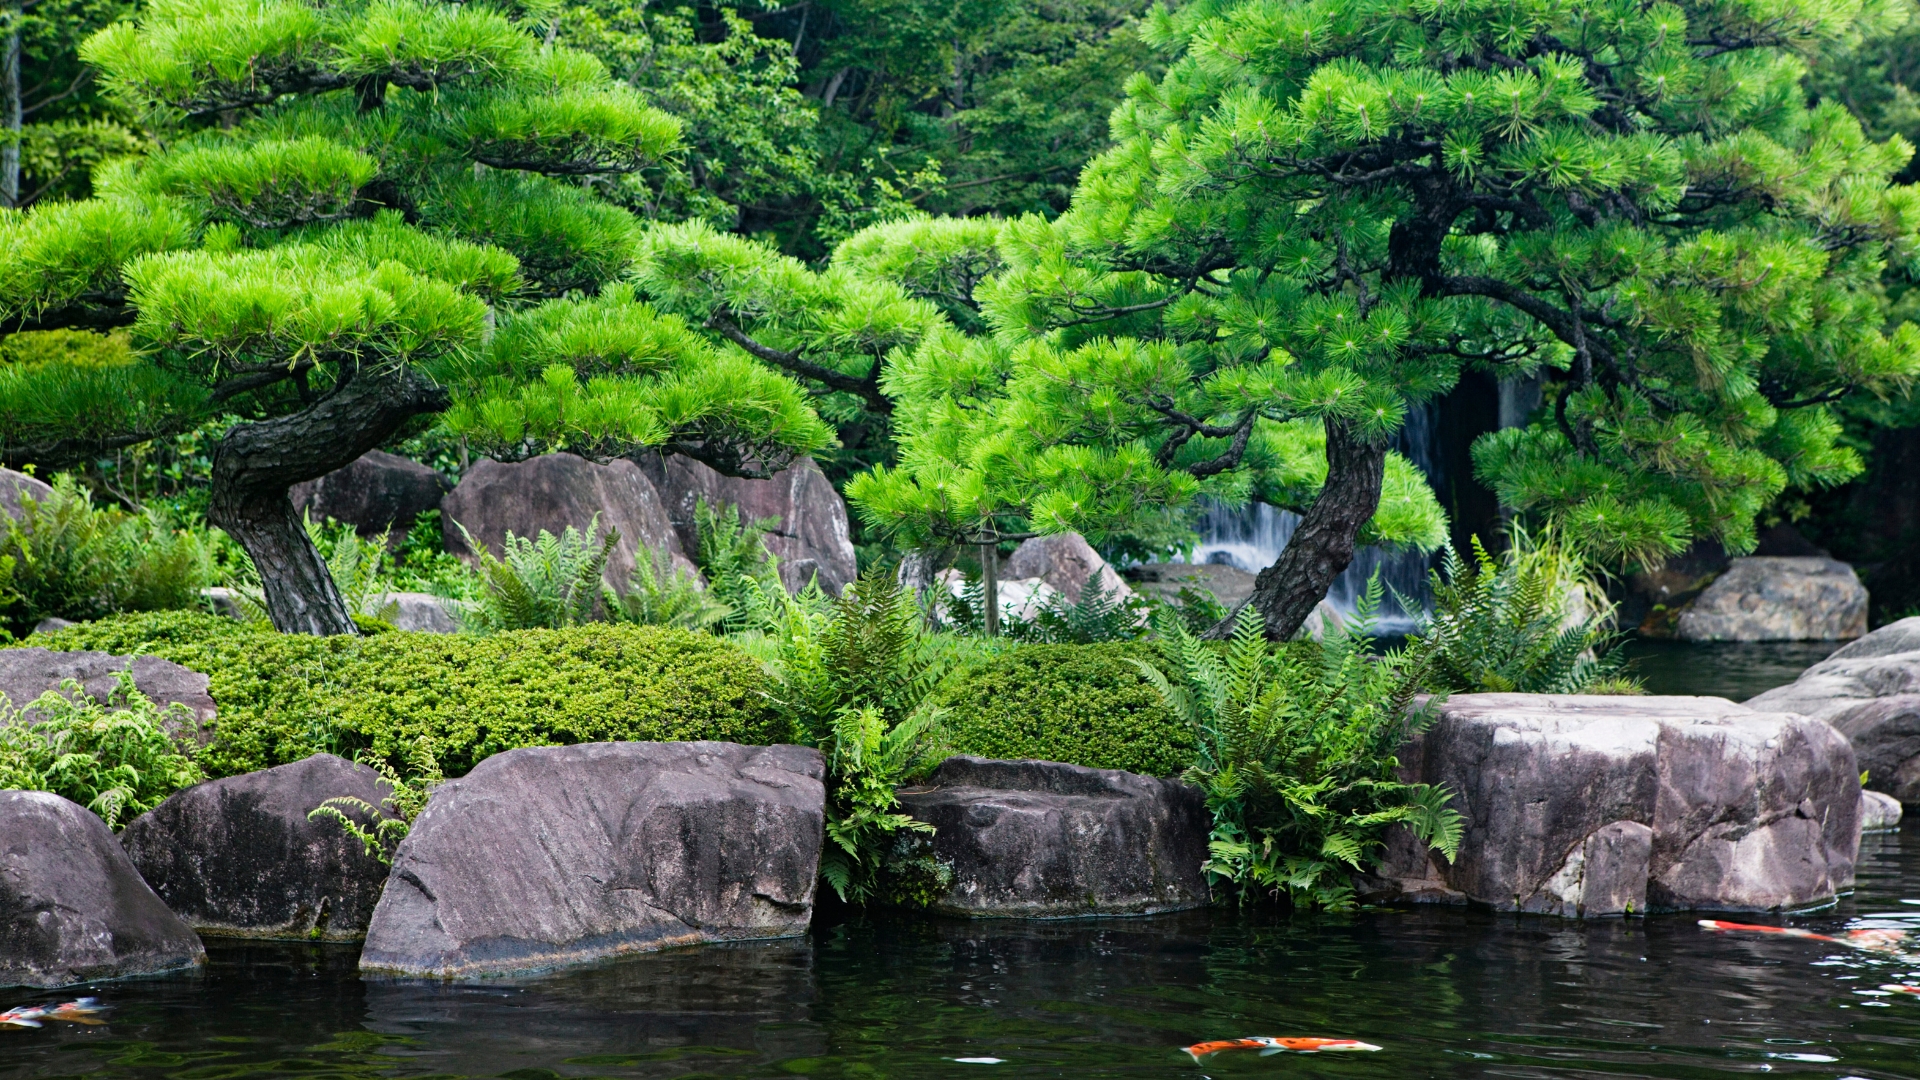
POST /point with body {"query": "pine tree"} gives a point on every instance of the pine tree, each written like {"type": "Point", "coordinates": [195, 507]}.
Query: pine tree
{"type": "Point", "coordinates": [361, 213]}
{"type": "Point", "coordinates": [1327, 208]}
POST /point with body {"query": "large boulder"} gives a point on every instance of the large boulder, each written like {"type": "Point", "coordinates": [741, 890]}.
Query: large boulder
{"type": "Point", "coordinates": [1584, 805]}
{"type": "Point", "coordinates": [240, 858]}
{"type": "Point", "coordinates": [812, 537]}
{"type": "Point", "coordinates": [1041, 839]}
{"type": "Point", "coordinates": [421, 612]}
{"type": "Point", "coordinates": [1779, 599]}
{"type": "Point", "coordinates": [554, 491]}
{"type": "Point", "coordinates": [1067, 563]}
{"type": "Point", "coordinates": [72, 907]}
{"type": "Point", "coordinates": [15, 485]}
{"type": "Point", "coordinates": [375, 493]}
{"type": "Point", "coordinates": [1869, 690]}
{"type": "Point", "coordinates": [27, 673]}
{"type": "Point", "coordinates": [547, 857]}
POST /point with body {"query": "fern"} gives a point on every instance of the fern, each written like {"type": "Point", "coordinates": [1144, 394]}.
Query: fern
{"type": "Point", "coordinates": [734, 556]}
{"type": "Point", "coordinates": [548, 582]}
{"type": "Point", "coordinates": [386, 824]}
{"type": "Point", "coordinates": [1296, 753]}
{"type": "Point", "coordinates": [117, 759]}
{"type": "Point", "coordinates": [1529, 621]}
{"type": "Point", "coordinates": [660, 594]}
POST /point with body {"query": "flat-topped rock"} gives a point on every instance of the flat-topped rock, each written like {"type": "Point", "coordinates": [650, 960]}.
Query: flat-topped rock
{"type": "Point", "coordinates": [28, 672]}
{"type": "Point", "coordinates": [1041, 839]}
{"type": "Point", "coordinates": [72, 907]}
{"type": "Point", "coordinates": [1807, 598]}
{"type": "Point", "coordinates": [1587, 805]}
{"type": "Point", "coordinates": [552, 856]}
{"type": "Point", "coordinates": [239, 857]}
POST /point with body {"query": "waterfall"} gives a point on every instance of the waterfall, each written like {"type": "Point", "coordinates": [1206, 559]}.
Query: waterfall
{"type": "Point", "coordinates": [1250, 537]}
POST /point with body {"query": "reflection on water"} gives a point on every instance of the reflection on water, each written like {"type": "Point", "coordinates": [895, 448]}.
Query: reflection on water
{"type": "Point", "coordinates": [1736, 670]}
{"type": "Point", "coordinates": [1446, 992]}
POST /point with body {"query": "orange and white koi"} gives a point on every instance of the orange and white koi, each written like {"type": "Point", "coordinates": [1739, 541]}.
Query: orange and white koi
{"type": "Point", "coordinates": [79, 1011]}
{"type": "Point", "coordinates": [1901, 988]}
{"type": "Point", "coordinates": [1267, 1044]}
{"type": "Point", "coordinates": [1872, 939]}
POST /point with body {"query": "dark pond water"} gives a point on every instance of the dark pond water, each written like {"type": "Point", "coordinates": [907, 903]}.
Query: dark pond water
{"type": "Point", "coordinates": [1445, 993]}
{"type": "Point", "coordinates": [1736, 670]}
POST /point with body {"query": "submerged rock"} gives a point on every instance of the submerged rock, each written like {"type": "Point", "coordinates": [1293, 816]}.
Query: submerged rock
{"type": "Point", "coordinates": [1585, 805]}
{"type": "Point", "coordinates": [553, 856]}
{"type": "Point", "coordinates": [1879, 812]}
{"type": "Point", "coordinates": [1779, 599]}
{"type": "Point", "coordinates": [239, 857]}
{"type": "Point", "coordinates": [72, 907]}
{"type": "Point", "coordinates": [1041, 839]}
{"type": "Point", "coordinates": [1869, 690]}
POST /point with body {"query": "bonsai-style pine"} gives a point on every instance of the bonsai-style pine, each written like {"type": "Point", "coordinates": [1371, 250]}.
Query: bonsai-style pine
{"type": "Point", "coordinates": [359, 213]}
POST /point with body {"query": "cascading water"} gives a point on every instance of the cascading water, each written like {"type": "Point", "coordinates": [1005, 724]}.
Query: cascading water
{"type": "Point", "coordinates": [1250, 538]}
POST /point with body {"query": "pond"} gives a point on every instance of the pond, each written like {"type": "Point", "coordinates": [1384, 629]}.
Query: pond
{"type": "Point", "coordinates": [1444, 992]}
{"type": "Point", "coordinates": [1736, 670]}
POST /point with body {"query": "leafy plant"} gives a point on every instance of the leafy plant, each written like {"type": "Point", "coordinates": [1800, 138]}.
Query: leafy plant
{"type": "Point", "coordinates": [1296, 758]}
{"type": "Point", "coordinates": [388, 823]}
{"type": "Point", "coordinates": [660, 594]}
{"type": "Point", "coordinates": [549, 582]}
{"type": "Point", "coordinates": [74, 560]}
{"type": "Point", "coordinates": [856, 676]}
{"type": "Point", "coordinates": [117, 759]}
{"type": "Point", "coordinates": [733, 553]}
{"type": "Point", "coordinates": [1529, 621]}
{"type": "Point", "coordinates": [1099, 615]}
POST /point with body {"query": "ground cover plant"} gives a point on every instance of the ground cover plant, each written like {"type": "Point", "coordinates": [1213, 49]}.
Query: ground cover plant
{"type": "Point", "coordinates": [1296, 745]}
{"type": "Point", "coordinates": [118, 759]}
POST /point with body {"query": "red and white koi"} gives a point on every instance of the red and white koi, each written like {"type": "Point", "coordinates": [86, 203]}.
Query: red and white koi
{"type": "Point", "coordinates": [1267, 1044]}
{"type": "Point", "coordinates": [1871, 939]}
{"type": "Point", "coordinates": [1901, 988]}
{"type": "Point", "coordinates": [79, 1011]}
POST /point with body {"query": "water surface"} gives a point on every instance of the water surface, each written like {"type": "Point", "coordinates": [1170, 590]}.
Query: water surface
{"type": "Point", "coordinates": [1446, 992]}
{"type": "Point", "coordinates": [1732, 669]}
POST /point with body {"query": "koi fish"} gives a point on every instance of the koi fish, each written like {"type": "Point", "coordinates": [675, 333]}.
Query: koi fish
{"type": "Point", "coordinates": [1870, 939]}
{"type": "Point", "coordinates": [80, 1011]}
{"type": "Point", "coordinates": [1901, 988]}
{"type": "Point", "coordinates": [1267, 1044]}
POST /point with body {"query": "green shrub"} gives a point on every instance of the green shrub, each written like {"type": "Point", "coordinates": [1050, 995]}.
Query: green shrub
{"type": "Point", "coordinates": [285, 696]}
{"type": "Point", "coordinates": [1084, 704]}
{"type": "Point", "coordinates": [117, 760]}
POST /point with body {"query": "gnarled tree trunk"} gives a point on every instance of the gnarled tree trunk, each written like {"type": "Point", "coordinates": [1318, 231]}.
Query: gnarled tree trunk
{"type": "Point", "coordinates": [1285, 593]}
{"type": "Point", "coordinates": [255, 464]}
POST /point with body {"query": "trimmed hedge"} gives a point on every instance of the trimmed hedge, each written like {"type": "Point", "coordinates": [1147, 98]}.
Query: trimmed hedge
{"type": "Point", "coordinates": [285, 696]}
{"type": "Point", "coordinates": [1085, 704]}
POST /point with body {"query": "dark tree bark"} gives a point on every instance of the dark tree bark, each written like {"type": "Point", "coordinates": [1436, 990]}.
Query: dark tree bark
{"type": "Point", "coordinates": [1285, 593]}
{"type": "Point", "coordinates": [254, 465]}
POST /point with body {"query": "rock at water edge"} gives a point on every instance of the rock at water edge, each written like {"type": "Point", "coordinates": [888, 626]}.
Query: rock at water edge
{"type": "Point", "coordinates": [1742, 810]}
{"type": "Point", "coordinates": [1042, 839]}
{"type": "Point", "coordinates": [1779, 599]}
{"type": "Point", "coordinates": [1879, 812]}
{"type": "Point", "coordinates": [72, 907]}
{"type": "Point", "coordinates": [239, 857]}
{"type": "Point", "coordinates": [1869, 690]}
{"type": "Point", "coordinates": [548, 857]}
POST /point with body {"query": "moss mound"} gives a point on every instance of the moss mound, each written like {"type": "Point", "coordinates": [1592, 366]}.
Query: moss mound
{"type": "Point", "coordinates": [1085, 704]}
{"type": "Point", "coordinates": [283, 697]}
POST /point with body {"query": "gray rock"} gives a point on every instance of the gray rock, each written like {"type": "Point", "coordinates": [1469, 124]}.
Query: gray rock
{"type": "Point", "coordinates": [1779, 599]}
{"type": "Point", "coordinates": [553, 856]}
{"type": "Point", "coordinates": [1040, 839]}
{"type": "Point", "coordinates": [26, 673]}
{"type": "Point", "coordinates": [812, 537]}
{"type": "Point", "coordinates": [378, 492]}
{"type": "Point", "coordinates": [1869, 690]}
{"type": "Point", "coordinates": [72, 907]}
{"type": "Point", "coordinates": [554, 491]}
{"type": "Point", "coordinates": [1581, 805]}
{"type": "Point", "coordinates": [1229, 584]}
{"type": "Point", "coordinates": [1066, 562]}
{"type": "Point", "coordinates": [239, 857]}
{"type": "Point", "coordinates": [53, 625]}
{"type": "Point", "coordinates": [1879, 812]}
{"type": "Point", "coordinates": [421, 612]}
{"type": "Point", "coordinates": [14, 485]}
